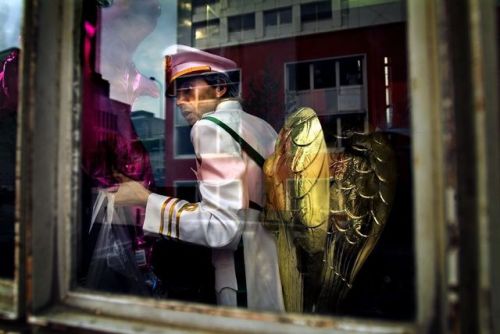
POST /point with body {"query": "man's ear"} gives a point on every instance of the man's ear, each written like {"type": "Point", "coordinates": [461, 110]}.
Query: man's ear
{"type": "Point", "coordinates": [220, 90]}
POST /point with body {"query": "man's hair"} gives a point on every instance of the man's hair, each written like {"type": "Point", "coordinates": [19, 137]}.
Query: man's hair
{"type": "Point", "coordinates": [218, 78]}
{"type": "Point", "coordinates": [215, 79]}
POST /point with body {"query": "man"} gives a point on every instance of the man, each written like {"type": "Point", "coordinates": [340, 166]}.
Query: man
{"type": "Point", "coordinates": [230, 146]}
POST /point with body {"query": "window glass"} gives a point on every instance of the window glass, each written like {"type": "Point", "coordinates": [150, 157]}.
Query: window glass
{"type": "Point", "coordinates": [314, 11]}
{"type": "Point", "coordinates": [271, 17]}
{"type": "Point", "coordinates": [299, 77]}
{"type": "Point", "coordinates": [351, 71]}
{"type": "Point", "coordinates": [242, 22]}
{"type": "Point", "coordinates": [324, 74]}
{"type": "Point", "coordinates": [10, 42]}
{"type": "Point", "coordinates": [201, 3]}
{"type": "Point", "coordinates": [285, 15]}
{"type": "Point", "coordinates": [278, 16]}
{"type": "Point", "coordinates": [206, 29]}
{"type": "Point", "coordinates": [182, 108]}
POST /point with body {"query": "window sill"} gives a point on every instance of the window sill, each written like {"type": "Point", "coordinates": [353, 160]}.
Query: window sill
{"type": "Point", "coordinates": [126, 314]}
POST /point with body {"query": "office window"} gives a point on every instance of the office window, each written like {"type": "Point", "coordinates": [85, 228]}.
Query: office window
{"type": "Point", "coordinates": [351, 71]}
{"type": "Point", "coordinates": [311, 75]}
{"type": "Point", "coordinates": [316, 11]}
{"type": "Point", "coordinates": [324, 74]}
{"type": "Point", "coordinates": [278, 16]}
{"type": "Point", "coordinates": [299, 77]}
{"type": "Point", "coordinates": [241, 23]}
{"type": "Point", "coordinates": [201, 3]}
{"type": "Point", "coordinates": [330, 86]}
{"type": "Point", "coordinates": [205, 30]}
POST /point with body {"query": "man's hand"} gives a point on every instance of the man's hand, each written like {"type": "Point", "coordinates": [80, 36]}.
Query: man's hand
{"type": "Point", "coordinates": [131, 193]}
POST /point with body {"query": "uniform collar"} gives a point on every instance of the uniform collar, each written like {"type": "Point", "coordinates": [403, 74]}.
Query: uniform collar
{"type": "Point", "coordinates": [230, 104]}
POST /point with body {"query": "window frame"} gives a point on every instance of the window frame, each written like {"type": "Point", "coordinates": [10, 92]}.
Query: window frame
{"type": "Point", "coordinates": [49, 162]}
{"type": "Point", "coordinates": [337, 87]}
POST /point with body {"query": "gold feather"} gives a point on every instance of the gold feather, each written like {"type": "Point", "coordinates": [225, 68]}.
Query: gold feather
{"type": "Point", "coordinates": [327, 210]}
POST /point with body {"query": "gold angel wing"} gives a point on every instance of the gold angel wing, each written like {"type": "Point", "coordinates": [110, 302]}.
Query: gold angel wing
{"type": "Point", "coordinates": [297, 187]}
{"type": "Point", "coordinates": [327, 209]}
{"type": "Point", "coordinates": [361, 195]}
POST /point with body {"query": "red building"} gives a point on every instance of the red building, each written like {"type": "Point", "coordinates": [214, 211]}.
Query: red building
{"type": "Point", "coordinates": [352, 78]}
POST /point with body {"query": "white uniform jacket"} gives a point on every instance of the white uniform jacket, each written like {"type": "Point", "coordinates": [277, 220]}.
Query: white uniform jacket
{"type": "Point", "coordinates": [228, 180]}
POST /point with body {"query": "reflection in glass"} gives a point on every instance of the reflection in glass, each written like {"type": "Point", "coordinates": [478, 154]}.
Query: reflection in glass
{"type": "Point", "coordinates": [299, 78]}
{"type": "Point", "coordinates": [207, 29]}
{"type": "Point", "coordinates": [351, 71]}
{"type": "Point", "coordinates": [314, 11]}
{"type": "Point", "coordinates": [10, 33]}
{"type": "Point", "coordinates": [111, 149]}
{"type": "Point", "coordinates": [311, 60]}
{"type": "Point", "coordinates": [324, 74]}
{"type": "Point", "coordinates": [278, 16]}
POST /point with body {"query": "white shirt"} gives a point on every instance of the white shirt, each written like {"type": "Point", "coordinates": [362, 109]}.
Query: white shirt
{"type": "Point", "coordinates": [228, 179]}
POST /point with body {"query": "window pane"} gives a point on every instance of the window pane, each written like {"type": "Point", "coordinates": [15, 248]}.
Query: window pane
{"type": "Point", "coordinates": [10, 35]}
{"type": "Point", "coordinates": [187, 240]}
{"type": "Point", "coordinates": [205, 29]}
{"type": "Point", "coordinates": [243, 22]}
{"type": "Point", "coordinates": [324, 74]}
{"type": "Point", "coordinates": [316, 11]}
{"type": "Point", "coordinates": [248, 22]}
{"type": "Point", "coordinates": [271, 18]}
{"type": "Point", "coordinates": [299, 76]}
{"type": "Point", "coordinates": [200, 3]}
{"type": "Point", "coordinates": [351, 71]}
{"type": "Point", "coordinates": [324, 9]}
{"type": "Point", "coordinates": [286, 15]}
{"type": "Point", "coordinates": [282, 15]}
{"type": "Point", "coordinates": [234, 24]}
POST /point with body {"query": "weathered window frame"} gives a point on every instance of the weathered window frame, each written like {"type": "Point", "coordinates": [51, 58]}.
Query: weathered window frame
{"type": "Point", "coordinates": [49, 184]}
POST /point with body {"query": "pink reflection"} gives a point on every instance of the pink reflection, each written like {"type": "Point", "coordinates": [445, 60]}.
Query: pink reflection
{"type": "Point", "coordinates": [123, 27]}
{"type": "Point", "coordinates": [111, 83]}
{"type": "Point", "coordinates": [9, 82]}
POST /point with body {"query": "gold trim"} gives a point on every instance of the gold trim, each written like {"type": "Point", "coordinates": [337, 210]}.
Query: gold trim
{"type": "Point", "coordinates": [190, 70]}
{"type": "Point", "coordinates": [187, 207]}
{"type": "Point", "coordinates": [162, 213]}
{"type": "Point", "coordinates": [170, 214]}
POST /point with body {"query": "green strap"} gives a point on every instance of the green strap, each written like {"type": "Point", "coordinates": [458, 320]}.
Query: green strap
{"type": "Point", "coordinates": [252, 153]}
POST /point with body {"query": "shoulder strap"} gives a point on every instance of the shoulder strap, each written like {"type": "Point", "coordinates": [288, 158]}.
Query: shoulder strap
{"type": "Point", "coordinates": [252, 153]}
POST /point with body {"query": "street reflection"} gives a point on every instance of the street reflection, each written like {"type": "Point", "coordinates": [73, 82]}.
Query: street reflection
{"type": "Point", "coordinates": [346, 59]}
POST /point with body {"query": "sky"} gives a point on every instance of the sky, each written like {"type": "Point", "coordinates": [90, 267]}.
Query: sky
{"type": "Point", "coordinates": [10, 16]}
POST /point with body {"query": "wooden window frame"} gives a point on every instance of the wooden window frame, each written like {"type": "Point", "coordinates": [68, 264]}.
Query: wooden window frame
{"type": "Point", "coordinates": [49, 191]}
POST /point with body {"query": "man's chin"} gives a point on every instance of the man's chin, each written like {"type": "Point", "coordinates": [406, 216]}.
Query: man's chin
{"type": "Point", "coordinates": [190, 119]}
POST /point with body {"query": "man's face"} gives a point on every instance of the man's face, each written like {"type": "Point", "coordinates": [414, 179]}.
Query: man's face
{"type": "Point", "coordinates": [195, 98]}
